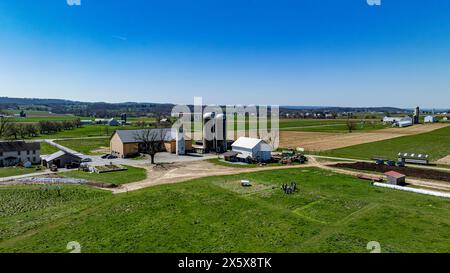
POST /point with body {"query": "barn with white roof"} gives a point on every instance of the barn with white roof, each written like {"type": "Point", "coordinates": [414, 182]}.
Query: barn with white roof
{"type": "Point", "coordinates": [252, 148]}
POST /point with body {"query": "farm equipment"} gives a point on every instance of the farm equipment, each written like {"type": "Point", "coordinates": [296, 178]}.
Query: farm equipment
{"type": "Point", "coordinates": [391, 163]}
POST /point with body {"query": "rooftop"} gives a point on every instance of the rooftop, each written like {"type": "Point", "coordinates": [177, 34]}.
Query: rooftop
{"type": "Point", "coordinates": [15, 146]}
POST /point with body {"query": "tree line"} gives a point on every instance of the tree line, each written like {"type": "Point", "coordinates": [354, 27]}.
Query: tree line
{"type": "Point", "coordinates": [17, 130]}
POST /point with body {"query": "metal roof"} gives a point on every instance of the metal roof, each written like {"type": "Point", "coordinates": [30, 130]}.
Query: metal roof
{"type": "Point", "coordinates": [59, 154]}
{"type": "Point", "coordinates": [250, 143]}
{"type": "Point", "coordinates": [132, 136]}
{"type": "Point", "coordinates": [395, 174]}
{"type": "Point", "coordinates": [15, 146]}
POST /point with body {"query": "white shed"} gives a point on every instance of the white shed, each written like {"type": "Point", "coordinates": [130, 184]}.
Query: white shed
{"type": "Point", "coordinates": [430, 119]}
{"type": "Point", "coordinates": [256, 149]}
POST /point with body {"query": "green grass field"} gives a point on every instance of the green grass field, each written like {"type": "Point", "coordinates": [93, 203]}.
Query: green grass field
{"type": "Point", "coordinates": [133, 174]}
{"type": "Point", "coordinates": [329, 213]}
{"type": "Point", "coordinates": [435, 143]}
{"type": "Point", "coordinates": [47, 149]}
{"type": "Point", "coordinates": [13, 171]}
{"type": "Point", "coordinates": [85, 131]}
{"type": "Point", "coordinates": [85, 146]}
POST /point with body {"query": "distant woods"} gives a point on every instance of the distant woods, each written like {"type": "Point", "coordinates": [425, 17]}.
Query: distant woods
{"type": "Point", "coordinates": [17, 130]}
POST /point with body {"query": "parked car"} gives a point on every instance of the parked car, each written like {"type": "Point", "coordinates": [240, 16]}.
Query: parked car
{"type": "Point", "coordinates": [87, 159]}
{"type": "Point", "coordinates": [111, 157]}
{"type": "Point", "coordinates": [105, 156]}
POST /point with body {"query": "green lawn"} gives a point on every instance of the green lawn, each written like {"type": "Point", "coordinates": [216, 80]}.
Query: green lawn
{"type": "Point", "coordinates": [133, 174]}
{"type": "Point", "coordinates": [47, 149]}
{"type": "Point", "coordinates": [13, 171]}
{"type": "Point", "coordinates": [435, 143]}
{"type": "Point", "coordinates": [85, 146]}
{"type": "Point", "coordinates": [329, 213]}
{"type": "Point", "coordinates": [49, 118]}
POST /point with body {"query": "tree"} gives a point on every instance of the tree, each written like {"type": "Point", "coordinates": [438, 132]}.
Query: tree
{"type": "Point", "coordinates": [151, 141]}
{"type": "Point", "coordinates": [350, 125]}
{"type": "Point", "coordinates": [5, 122]}
{"type": "Point", "coordinates": [12, 131]}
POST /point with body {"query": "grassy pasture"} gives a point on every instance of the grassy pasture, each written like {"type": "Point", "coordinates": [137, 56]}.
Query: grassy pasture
{"type": "Point", "coordinates": [85, 146]}
{"type": "Point", "coordinates": [13, 171]}
{"type": "Point", "coordinates": [329, 213]}
{"type": "Point", "coordinates": [435, 143]}
{"type": "Point", "coordinates": [47, 149]}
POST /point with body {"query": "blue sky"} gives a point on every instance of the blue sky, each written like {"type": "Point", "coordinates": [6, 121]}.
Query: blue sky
{"type": "Point", "coordinates": [296, 52]}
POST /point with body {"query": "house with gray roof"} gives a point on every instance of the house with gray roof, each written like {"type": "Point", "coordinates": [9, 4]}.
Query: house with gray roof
{"type": "Point", "coordinates": [15, 152]}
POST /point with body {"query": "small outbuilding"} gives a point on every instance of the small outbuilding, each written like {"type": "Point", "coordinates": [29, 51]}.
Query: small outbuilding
{"type": "Point", "coordinates": [230, 156]}
{"type": "Point", "coordinates": [395, 178]}
{"type": "Point", "coordinates": [430, 119]}
{"type": "Point", "coordinates": [61, 159]}
{"type": "Point", "coordinates": [252, 148]}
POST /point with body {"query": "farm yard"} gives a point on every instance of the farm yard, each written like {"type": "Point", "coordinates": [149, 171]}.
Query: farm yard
{"type": "Point", "coordinates": [329, 213]}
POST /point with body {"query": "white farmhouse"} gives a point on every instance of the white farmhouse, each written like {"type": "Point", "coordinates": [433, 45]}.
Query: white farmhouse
{"type": "Point", "coordinates": [253, 148]}
{"type": "Point", "coordinates": [15, 152]}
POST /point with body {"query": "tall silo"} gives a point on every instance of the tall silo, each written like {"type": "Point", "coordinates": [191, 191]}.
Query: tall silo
{"type": "Point", "coordinates": [214, 132]}
{"type": "Point", "coordinates": [417, 115]}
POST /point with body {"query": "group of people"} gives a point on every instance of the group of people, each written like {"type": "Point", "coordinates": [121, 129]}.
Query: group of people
{"type": "Point", "coordinates": [289, 189]}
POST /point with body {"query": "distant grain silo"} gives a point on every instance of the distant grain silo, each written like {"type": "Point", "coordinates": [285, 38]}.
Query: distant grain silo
{"type": "Point", "coordinates": [417, 115]}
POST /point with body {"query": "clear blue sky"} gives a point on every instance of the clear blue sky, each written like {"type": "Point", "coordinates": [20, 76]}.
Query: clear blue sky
{"type": "Point", "coordinates": [297, 52]}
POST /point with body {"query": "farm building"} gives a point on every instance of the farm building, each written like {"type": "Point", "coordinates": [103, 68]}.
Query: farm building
{"type": "Point", "coordinates": [126, 143]}
{"type": "Point", "coordinates": [110, 122]}
{"type": "Point", "coordinates": [252, 148]}
{"type": "Point", "coordinates": [399, 121]}
{"type": "Point", "coordinates": [391, 120]}
{"type": "Point", "coordinates": [430, 119]}
{"type": "Point", "coordinates": [395, 178]}
{"type": "Point", "coordinates": [405, 122]}
{"type": "Point", "coordinates": [230, 156]}
{"type": "Point", "coordinates": [86, 122]}
{"type": "Point", "coordinates": [60, 159]}
{"type": "Point", "coordinates": [15, 152]}
{"type": "Point", "coordinates": [414, 158]}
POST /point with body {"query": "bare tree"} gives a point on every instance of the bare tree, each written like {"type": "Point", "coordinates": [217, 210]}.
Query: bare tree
{"type": "Point", "coordinates": [151, 141]}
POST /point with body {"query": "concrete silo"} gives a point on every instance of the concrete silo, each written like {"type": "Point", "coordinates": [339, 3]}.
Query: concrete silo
{"type": "Point", "coordinates": [214, 132]}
